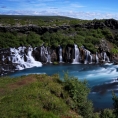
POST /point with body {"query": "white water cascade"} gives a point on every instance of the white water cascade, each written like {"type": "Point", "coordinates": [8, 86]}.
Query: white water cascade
{"type": "Point", "coordinates": [76, 59]}
{"type": "Point", "coordinates": [45, 53]}
{"type": "Point", "coordinates": [49, 58]}
{"type": "Point", "coordinates": [18, 55]}
{"type": "Point", "coordinates": [60, 55]}
{"type": "Point", "coordinates": [97, 59]}
{"type": "Point", "coordinates": [90, 61]}
{"type": "Point", "coordinates": [87, 55]}
{"type": "Point", "coordinates": [3, 58]}
{"type": "Point", "coordinates": [105, 57]}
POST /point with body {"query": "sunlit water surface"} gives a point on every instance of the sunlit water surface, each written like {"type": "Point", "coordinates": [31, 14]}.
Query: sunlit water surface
{"type": "Point", "coordinates": [102, 76]}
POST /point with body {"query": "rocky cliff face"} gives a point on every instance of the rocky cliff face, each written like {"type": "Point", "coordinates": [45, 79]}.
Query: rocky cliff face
{"type": "Point", "coordinates": [37, 29]}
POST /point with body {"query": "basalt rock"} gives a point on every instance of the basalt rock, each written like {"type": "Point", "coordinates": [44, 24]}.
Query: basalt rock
{"type": "Point", "coordinates": [7, 68]}
{"type": "Point", "coordinates": [53, 56]}
{"type": "Point", "coordinates": [111, 23]}
{"type": "Point", "coordinates": [33, 28]}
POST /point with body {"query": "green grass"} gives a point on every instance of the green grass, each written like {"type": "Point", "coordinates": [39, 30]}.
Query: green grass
{"type": "Point", "coordinates": [43, 96]}
{"type": "Point", "coordinates": [34, 96]}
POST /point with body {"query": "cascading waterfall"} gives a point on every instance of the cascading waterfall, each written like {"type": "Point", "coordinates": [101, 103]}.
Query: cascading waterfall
{"type": "Point", "coordinates": [60, 55]}
{"type": "Point", "coordinates": [97, 59]}
{"type": "Point", "coordinates": [49, 59]}
{"type": "Point", "coordinates": [45, 54]}
{"type": "Point", "coordinates": [105, 57]}
{"type": "Point", "coordinates": [3, 58]}
{"type": "Point", "coordinates": [43, 51]}
{"type": "Point", "coordinates": [17, 57]}
{"type": "Point", "coordinates": [87, 55]}
{"type": "Point", "coordinates": [90, 62]}
{"type": "Point", "coordinates": [76, 59]}
{"type": "Point", "coordinates": [48, 56]}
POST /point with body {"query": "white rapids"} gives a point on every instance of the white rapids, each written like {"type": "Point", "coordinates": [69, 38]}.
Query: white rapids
{"type": "Point", "coordinates": [23, 60]}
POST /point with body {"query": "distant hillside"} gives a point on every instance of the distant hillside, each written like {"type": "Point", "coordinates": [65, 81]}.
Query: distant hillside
{"type": "Point", "coordinates": [36, 17]}
{"type": "Point", "coordinates": [16, 20]}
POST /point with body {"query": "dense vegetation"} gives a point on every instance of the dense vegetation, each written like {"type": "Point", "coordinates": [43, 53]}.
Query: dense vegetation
{"type": "Point", "coordinates": [42, 96]}
{"type": "Point", "coordinates": [90, 38]}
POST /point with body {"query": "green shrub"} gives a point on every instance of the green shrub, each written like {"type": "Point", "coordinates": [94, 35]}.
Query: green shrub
{"type": "Point", "coordinates": [114, 51]}
{"type": "Point", "coordinates": [55, 63]}
{"type": "Point", "coordinates": [107, 33]}
{"type": "Point", "coordinates": [107, 113]}
{"type": "Point", "coordinates": [90, 47]}
{"type": "Point", "coordinates": [78, 92]}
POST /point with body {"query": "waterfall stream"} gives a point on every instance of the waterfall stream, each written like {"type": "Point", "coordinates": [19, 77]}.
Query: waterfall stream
{"type": "Point", "coordinates": [45, 53]}
{"type": "Point", "coordinates": [60, 55]}
{"type": "Point", "coordinates": [90, 61]}
{"type": "Point", "coordinates": [87, 56]}
{"type": "Point", "coordinates": [105, 57]}
{"type": "Point", "coordinates": [76, 55]}
{"type": "Point", "coordinates": [97, 59]}
{"type": "Point", "coordinates": [17, 57]}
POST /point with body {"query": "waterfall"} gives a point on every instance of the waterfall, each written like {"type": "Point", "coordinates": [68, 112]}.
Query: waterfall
{"type": "Point", "coordinates": [97, 59]}
{"type": "Point", "coordinates": [108, 60]}
{"type": "Point", "coordinates": [76, 59]}
{"type": "Point", "coordinates": [60, 55]}
{"type": "Point", "coordinates": [49, 58]}
{"type": "Point", "coordinates": [3, 58]}
{"type": "Point", "coordinates": [105, 57]}
{"type": "Point", "coordinates": [45, 53]}
{"type": "Point", "coordinates": [48, 55]}
{"type": "Point", "coordinates": [90, 61]}
{"type": "Point", "coordinates": [17, 57]}
{"type": "Point", "coordinates": [87, 55]}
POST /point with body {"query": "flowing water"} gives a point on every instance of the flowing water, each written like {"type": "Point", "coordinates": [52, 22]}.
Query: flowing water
{"type": "Point", "coordinates": [76, 55]}
{"type": "Point", "coordinates": [102, 79]}
{"type": "Point", "coordinates": [17, 56]}
{"type": "Point", "coordinates": [60, 55]}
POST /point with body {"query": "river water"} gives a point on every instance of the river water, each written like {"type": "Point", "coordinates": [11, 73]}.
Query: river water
{"type": "Point", "coordinates": [102, 79]}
